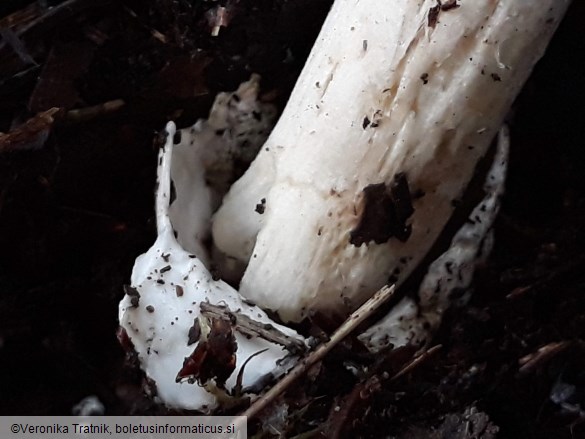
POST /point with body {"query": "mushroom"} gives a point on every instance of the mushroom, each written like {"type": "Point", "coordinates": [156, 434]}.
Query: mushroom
{"type": "Point", "coordinates": [414, 321]}
{"type": "Point", "coordinates": [394, 108]}
{"type": "Point", "coordinates": [184, 326]}
{"type": "Point", "coordinates": [396, 105]}
{"type": "Point", "coordinates": [206, 155]}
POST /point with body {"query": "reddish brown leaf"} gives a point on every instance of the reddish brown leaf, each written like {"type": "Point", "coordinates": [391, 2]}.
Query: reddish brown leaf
{"type": "Point", "coordinates": [214, 357]}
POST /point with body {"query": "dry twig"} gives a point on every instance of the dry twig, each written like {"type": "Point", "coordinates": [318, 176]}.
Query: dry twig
{"type": "Point", "coordinates": [354, 320]}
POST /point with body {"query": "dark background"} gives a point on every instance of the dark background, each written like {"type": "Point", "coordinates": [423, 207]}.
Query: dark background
{"type": "Point", "coordinates": [76, 210]}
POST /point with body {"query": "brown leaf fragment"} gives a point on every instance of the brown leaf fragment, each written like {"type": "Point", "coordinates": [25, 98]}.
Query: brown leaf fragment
{"type": "Point", "coordinates": [193, 364]}
{"type": "Point", "coordinates": [384, 213]}
{"type": "Point", "coordinates": [214, 357]}
{"type": "Point", "coordinates": [31, 135]}
{"type": "Point", "coordinates": [376, 218]}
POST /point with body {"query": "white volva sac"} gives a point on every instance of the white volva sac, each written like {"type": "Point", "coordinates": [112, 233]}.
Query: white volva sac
{"type": "Point", "coordinates": [204, 157]}
{"type": "Point", "coordinates": [400, 96]}
{"type": "Point", "coordinates": [168, 287]}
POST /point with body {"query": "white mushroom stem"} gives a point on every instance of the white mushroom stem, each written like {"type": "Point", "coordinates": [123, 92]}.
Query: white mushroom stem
{"type": "Point", "coordinates": [397, 99]}
{"type": "Point", "coordinates": [415, 321]}
{"type": "Point", "coordinates": [169, 310]}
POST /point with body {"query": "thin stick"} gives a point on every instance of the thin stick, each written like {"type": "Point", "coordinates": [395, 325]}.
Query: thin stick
{"type": "Point", "coordinates": [416, 361]}
{"type": "Point", "coordinates": [354, 320]}
{"type": "Point", "coordinates": [531, 361]}
{"type": "Point", "coordinates": [250, 328]}
{"type": "Point", "coordinates": [89, 113]}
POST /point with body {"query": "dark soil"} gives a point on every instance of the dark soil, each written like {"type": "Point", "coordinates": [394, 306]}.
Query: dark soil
{"type": "Point", "coordinates": [76, 208]}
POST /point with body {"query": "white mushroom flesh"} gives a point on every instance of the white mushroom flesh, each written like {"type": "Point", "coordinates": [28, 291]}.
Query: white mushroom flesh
{"type": "Point", "coordinates": [392, 89]}
{"type": "Point", "coordinates": [415, 321]}
{"type": "Point", "coordinates": [203, 164]}
{"type": "Point", "coordinates": [168, 286]}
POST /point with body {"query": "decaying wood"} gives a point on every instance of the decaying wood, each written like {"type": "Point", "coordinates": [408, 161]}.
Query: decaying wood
{"type": "Point", "coordinates": [249, 327]}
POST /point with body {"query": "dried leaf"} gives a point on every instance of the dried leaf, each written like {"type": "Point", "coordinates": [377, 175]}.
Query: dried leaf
{"type": "Point", "coordinates": [214, 357]}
